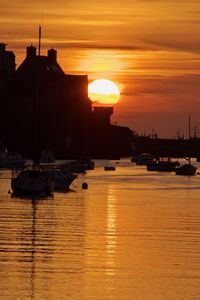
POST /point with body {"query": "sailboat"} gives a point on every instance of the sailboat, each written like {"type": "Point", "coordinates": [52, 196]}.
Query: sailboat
{"type": "Point", "coordinates": [187, 169]}
{"type": "Point", "coordinates": [163, 164]}
{"type": "Point", "coordinates": [11, 160]}
{"type": "Point", "coordinates": [33, 180]}
{"type": "Point", "coordinates": [63, 178]}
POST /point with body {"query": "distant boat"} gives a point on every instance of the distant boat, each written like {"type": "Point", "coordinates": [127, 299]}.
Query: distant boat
{"type": "Point", "coordinates": [32, 181]}
{"type": "Point", "coordinates": [109, 168]}
{"type": "Point", "coordinates": [10, 160]}
{"type": "Point", "coordinates": [143, 159]}
{"type": "Point", "coordinates": [47, 156]}
{"type": "Point", "coordinates": [163, 165]}
{"type": "Point", "coordinates": [61, 174]}
{"type": "Point", "coordinates": [63, 178]}
{"type": "Point", "coordinates": [87, 163]}
{"type": "Point", "coordinates": [80, 165]}
{"type": "Point", "coordinates": [187, 169]}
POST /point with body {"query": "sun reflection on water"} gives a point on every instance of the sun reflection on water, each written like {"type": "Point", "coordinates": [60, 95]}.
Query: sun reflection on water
{"type": "Point", "coordinates": [111, 239]}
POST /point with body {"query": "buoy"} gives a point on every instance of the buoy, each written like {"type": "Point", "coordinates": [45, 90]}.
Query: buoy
{"type": "Point", "coordinates": [84, 186]}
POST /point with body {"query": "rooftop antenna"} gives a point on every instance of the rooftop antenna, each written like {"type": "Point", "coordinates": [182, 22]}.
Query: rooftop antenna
{"type": "Point", "coordinates": [39, 40]}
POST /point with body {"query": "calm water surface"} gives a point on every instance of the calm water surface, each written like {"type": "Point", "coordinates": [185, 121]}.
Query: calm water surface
{"type": "Point", "coordinates": [132, 234]}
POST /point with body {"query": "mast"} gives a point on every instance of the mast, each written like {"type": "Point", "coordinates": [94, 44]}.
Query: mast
{"type": "Point", "coordinates": [36, 96]}
{"type": "Point", "coordinates": [189, 129]}
{"type": "Point", "coordinates": [39, 46]}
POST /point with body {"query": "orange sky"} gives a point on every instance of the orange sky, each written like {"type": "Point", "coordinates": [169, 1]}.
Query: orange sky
{"type": "Point", "coordinates": [151, 48]}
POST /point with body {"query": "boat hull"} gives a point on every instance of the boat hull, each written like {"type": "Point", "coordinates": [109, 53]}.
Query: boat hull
{"type": "Point", "coordinates": [63, 181]}
{"type": "Point", "coordinates": [32, 183]}
{"type": "Point", "coordinates": [187, 170]}
{"type": "Point", "coordinates": [162, 167]}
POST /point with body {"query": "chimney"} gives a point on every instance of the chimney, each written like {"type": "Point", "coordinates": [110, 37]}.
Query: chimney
{"type": "Point", "coordinates": [103, 114]}
{"type": "Point", "coordinates": [2, 48]}
{"type": "Point", "coordinates": [52, 55]}
{"type": "Point", "coordinates": [30, 52]}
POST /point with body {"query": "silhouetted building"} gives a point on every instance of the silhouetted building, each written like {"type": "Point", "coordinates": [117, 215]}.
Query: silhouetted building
{"type": "Point", "coordinates": [7, 62]}
{"type": "Point", "coordinates": [102, 114]}
{"type": "Point", "coordinates": [47, 107]}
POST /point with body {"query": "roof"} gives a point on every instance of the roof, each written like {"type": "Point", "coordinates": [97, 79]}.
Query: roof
{"type": "Point", "coordinates": [10, 53]}
{"type": "Point", "coordinates": [41, 67]}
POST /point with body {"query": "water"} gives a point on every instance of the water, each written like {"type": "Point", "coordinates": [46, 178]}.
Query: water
{"type": "Point", "coordinates": [132, 234]}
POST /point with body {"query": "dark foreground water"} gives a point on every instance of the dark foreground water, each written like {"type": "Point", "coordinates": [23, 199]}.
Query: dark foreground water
{"type": "Point", "coordinates": [132, 234]}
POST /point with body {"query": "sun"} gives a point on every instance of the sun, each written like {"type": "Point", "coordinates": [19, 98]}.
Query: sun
{"type": "Point", "coordinates": [103, 91]}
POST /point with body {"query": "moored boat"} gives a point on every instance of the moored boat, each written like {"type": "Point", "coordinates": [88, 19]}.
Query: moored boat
{"type": "Point", "coordinates": [80, 165]}
{"type": "Point", "coordinates": [186, 169]}
{"type": "Point", "coordinates": [32, 181]}
{"type": "Point", "coordinates": [163, 165]}
{"type": "Point", "coordinates": [109, 168]}
{"type": "Point", "coordinates": [86, 163]}
{"type": "Point", "coordinates": [63, 178]}
{"type": "Point", "coordinates": [142, 159]}
{"type": "Point", "coordinates": [12, 160]}
{"type": "Point", "coordinates": [47, 156]}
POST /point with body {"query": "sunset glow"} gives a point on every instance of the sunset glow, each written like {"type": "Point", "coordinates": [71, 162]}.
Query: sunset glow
{"type": "Point", "coordinates": [103, 91]}
{"type": "Point", "coordinates": [100, 150]}
{"type": "Point", "coordinates": [151, 48]}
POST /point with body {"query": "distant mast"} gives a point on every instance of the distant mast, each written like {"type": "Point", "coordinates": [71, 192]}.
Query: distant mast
{"type": "Point", "coordinates": [189, 133]}
{"type": "Point", "coordinates": [39, 47]}
{"type": "Point", "coordinates": [189, 127]}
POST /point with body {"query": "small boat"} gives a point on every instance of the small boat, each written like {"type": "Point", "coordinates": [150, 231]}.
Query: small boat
{"type": "Point", "coordinates": [62, 177]}
{"type": "Point", "coordinates": [32, 181]}
{"type": "Point", "coordinates": [12, 160]}
{"type": "Point", "coordinates": [75, 166]}
{"type": "Point", "coordinates": [80, 165]}
{"type": "Point", "coordinates": [47, 156]}
{"type": "Point", "coordinates": [87, 163]}
{"type": "Point", "coordinates": [163, 165]}
{"type": "Point", "coordinates": [142, 159]}
{"type": "Point", "coordinates": [109, 168]}
{"type": "Point", "coordinates": [186, 169]}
